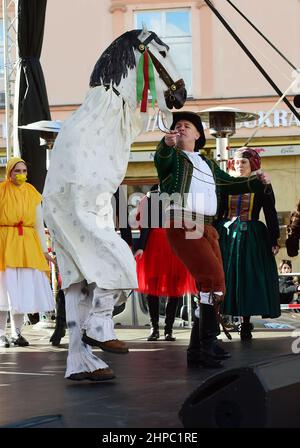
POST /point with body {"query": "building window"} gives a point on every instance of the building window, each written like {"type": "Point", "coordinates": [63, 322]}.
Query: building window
{"type": "Point", "coordinates": [174, 28]}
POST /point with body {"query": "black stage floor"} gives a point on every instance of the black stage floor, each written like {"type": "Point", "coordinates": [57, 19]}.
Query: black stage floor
{"type": "Point", "coordinates": [151, 383]}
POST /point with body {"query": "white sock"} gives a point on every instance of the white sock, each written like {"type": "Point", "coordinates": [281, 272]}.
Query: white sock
{"type": "Point", "coordinates": [3, 321]}
{"type": "Point", "coordinates": [16, 324]}
{"type": "Point", "coordinates": [206, 297]}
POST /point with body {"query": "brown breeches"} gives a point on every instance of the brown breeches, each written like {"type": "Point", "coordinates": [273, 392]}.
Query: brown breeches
{"type": "Point", "coordinates": [201, 256]}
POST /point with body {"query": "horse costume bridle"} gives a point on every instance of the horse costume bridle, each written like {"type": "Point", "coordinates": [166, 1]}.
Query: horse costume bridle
{"type": "Point", "coordinates": [176, 94]}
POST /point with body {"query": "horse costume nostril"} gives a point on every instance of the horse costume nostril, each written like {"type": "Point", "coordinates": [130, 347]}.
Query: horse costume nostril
{"type": "Point", "coordinates": [176, 95]}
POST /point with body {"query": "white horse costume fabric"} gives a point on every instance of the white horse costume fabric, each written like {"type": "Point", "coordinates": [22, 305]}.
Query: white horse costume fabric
{"type": "Point", "coordinates": [79, 187]}
{"type": "Point", "coordinates": [88, 163]}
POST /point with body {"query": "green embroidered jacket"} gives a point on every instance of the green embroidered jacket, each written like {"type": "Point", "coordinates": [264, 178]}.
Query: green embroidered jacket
{"type": "Point", "coordinates": [175, 171]}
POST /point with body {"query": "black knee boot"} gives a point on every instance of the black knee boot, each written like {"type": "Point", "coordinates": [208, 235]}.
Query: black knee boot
{"type": "Point", "coordinates": [193, 350]}
{"type": "Point", "coordinates": [208, 336]}
{"type": "Point", "coordinates": [171, 309]}
{"type": "Point", "coordinates": [153, 308]}
{"type": "Point", "coordinates": [194, 354]}
{"type": "Point", "coordinates": [220, 352]}
{"type": "Point", "coordinates": [60, 324]}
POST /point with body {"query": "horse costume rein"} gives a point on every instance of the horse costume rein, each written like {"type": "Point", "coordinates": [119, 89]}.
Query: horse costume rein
{"type": "Point", "coordinates": [175, 88]}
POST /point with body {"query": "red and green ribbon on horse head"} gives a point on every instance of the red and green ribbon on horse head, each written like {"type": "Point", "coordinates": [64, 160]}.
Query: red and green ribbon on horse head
{"type": "Point", "coordinates": [145, 81]}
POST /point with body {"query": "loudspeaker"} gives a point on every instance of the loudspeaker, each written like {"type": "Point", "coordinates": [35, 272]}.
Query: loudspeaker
{"type": "Point", "coordinates": [264, 395]}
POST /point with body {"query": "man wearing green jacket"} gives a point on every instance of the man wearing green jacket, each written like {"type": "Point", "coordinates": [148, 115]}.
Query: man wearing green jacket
{"type": "Point", "coordinates": [193, 183]}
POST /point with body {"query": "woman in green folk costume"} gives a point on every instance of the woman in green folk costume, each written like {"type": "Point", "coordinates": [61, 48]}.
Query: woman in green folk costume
{"type": "Point", "coordinates": [248, 248]}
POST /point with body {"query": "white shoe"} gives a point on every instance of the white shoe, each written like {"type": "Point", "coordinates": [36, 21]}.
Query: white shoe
{"type": "Point", "coordinates": [4, 342]}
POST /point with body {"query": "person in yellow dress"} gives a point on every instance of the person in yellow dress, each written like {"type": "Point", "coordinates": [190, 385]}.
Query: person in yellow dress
{"type": "Point", "coordinates": [24, 270]}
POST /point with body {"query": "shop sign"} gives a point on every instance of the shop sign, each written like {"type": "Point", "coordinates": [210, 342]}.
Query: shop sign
{"type": "Point", "coordinates": [266, 151]}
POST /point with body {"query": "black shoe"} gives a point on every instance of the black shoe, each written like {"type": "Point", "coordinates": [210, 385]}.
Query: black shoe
{"type": "Point", "coordinates": [4, 342]}
{"type": "Point", "coordinates": [58, 334]}
{"type": "Point", "coordinates": [205, 361]}
{"type": "Point", "coordinates": [193, 363]}
{"type": "Point", "coordinates": [245, 331]}
{"type": "Point", "coordinates": [20, 341]}
{"type": "Point", "coordinates": [169, 337]}
{"type": "Point", "coordinates": [33, 318]}
{"type": "Point", "coordinates": [153, 336]}
{"type": "Point", "coordinates": [220, 353]}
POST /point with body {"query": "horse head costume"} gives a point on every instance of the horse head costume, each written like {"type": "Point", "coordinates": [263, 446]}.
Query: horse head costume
{"type": "Point", "coordinates": [140, 49]}
{"type": "Point", "coordinates": [90, 156]}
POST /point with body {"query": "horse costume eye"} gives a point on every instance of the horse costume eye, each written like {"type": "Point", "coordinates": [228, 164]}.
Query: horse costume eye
{"type": "Point", "coordinates": [163, 53]}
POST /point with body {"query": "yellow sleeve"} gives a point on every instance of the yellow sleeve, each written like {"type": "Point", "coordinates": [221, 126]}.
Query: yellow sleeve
{"type": "Point", "coordinates": [34, 194]}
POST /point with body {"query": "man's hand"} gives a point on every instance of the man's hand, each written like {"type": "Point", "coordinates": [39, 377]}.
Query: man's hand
{"type": "Point", "coordinates": [263, 177]}
{"type": "Point", "coordinates": [275, 250]}
{"type": "Point", "coordinates": [171, 138]}
{"type": "Point", "coordinates": [139, 254]}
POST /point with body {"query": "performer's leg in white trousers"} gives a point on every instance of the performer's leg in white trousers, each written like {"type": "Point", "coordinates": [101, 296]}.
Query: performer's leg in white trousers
{"type": "Point", "coordinates": [92, 312]}
{"type": "Point", "coordinates": [99, 324]}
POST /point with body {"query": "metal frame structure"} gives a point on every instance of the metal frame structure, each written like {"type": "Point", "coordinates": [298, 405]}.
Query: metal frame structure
{"type": "Point", "coordinates": [10, 24]}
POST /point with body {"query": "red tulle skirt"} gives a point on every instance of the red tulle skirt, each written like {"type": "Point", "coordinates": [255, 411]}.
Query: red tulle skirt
{"type": "Point", "coordinates": [160, 272]}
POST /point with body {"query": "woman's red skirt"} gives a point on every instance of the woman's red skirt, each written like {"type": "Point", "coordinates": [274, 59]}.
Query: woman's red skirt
{"type": "Point", "coordinates": [159, 270]}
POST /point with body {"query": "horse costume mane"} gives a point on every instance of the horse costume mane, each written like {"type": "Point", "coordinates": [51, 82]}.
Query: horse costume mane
{"type": "Point", "coordinates": [115, 61]}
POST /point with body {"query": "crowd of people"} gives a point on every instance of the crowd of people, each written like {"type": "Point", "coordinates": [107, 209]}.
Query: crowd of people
{"type": "Point", "coordinates": [288, 285]}
{"type": "Point", "coordinates": [207, 240]}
